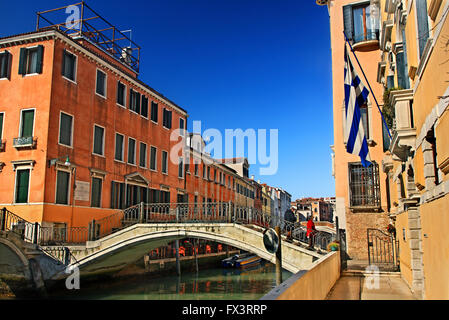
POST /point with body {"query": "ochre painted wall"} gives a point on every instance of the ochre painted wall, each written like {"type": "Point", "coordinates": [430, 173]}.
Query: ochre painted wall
{"type": "Point", "coordinates": [435, 222]}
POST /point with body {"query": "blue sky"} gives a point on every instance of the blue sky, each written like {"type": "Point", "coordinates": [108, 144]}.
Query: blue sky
{"type": "Point", "coordinates": [261, 64]}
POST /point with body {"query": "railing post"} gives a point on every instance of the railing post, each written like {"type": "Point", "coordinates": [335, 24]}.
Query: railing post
{"type": "Point", "coordinates": [177, 214]}
{"type": "Point", "coordinates": [141, 212]}
{"type": "Point", "coordinates": [235, 212]}
{"type": "Point", "coordinates": [36, 232]}
{"type": "Point", "coordinates": [92, 230]}
{"type": "Point", "coordinates": [66, 256]}
{"type": "Point", "coordinates": [4, 219]}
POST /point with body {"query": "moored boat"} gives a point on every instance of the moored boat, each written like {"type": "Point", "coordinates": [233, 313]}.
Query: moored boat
{"type": "Point", "coordinates": [241, 261]}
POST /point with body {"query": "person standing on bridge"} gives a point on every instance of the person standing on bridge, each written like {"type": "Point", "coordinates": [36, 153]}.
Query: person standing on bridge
{"type": "Point", "coordinates": [311, 231]}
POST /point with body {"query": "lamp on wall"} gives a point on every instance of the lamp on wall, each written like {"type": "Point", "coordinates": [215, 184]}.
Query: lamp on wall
{"type": "Point", "coordinates": [52, 162]}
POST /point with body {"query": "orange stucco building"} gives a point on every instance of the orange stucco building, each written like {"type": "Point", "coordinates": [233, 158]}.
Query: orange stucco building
{"type": "Point", "coordinates": [82, 136]}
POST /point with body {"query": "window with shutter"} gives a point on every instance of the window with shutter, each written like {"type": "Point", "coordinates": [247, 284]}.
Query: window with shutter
{"type": "Point", "coordinates": [62, 187]}
{"type": "Point", "coordinates": [119, 146]}
{"type": "Point", "coordinates": [31, 60]}
{"type": "Point", "coordinates": [154, 111]}
{"type": "Point", "coordinates": [153, 158]}
{"type": "Point", "coordinates": [134, 101]}
{"type": "Point", "coordinates": [361, 22]}
{"type": "Point", "coordinates": [68, 65]}
{"type": "Point", "coordinates": [144, 107]}
{"type": "Point", "coordinates": [181, 168]}
{"type": "Point", "coordinates": [101, 84]}
{"type": "Point", "coordinates": [348, 24]}
{"type": "Point", "coordinates": [143, 155]}
{"type": "Point", "coordinates": [5, 65]}
{"type": "Point", "coordinates": [131, 151]}
{"type": "Point", "coordinates": [26, 130]}
{"type": "Point", "coordinates": [98, 140]}
{"type": "Point", "coordinates": [96, 192]}
{"type": "Point", "coordinates": [65, 129]}
{"type": "Point", "coordinates": [182, 126]}
{"type": "Point", "coordinates": [164, 161]}
{"type": "Point", "coordinates": [22, 185]}
{"type": "Point", "coordinates": [121, 93]}
{"type": "Point", "coordinates": [423, 24]}
{"type": "Point", "coordinates": [118, 200]}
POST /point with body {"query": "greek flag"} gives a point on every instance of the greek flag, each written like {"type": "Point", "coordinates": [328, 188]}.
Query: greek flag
{"type": "Point", "coordinates": [356, 95]}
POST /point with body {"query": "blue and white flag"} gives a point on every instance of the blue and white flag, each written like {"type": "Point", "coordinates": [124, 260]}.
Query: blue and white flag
{"type": "Point", "coordinates": [356, 95]}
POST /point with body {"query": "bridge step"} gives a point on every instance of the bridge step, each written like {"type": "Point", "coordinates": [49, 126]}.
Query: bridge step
{"type": "Point", "coordinates": [361, 273]}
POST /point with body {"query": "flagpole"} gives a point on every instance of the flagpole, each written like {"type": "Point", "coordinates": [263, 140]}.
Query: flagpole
{"type": "Point", "coordinates": [371, 90]}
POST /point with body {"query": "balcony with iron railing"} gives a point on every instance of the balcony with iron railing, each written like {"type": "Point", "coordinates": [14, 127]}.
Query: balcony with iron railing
{"type": "Point", "coordinates": [366, 39]}
{"type": "Point", "coordinates": [25, 142]}
{"type": "Point", "coordinates": [404, 131]}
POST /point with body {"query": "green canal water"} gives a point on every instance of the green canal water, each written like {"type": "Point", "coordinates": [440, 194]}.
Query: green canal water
{"type": "Point", "coordinates": [209, 284]}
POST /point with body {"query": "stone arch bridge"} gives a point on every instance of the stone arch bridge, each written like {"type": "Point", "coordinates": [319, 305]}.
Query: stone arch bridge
{"type": "Point", "coordinates": [110, 244]}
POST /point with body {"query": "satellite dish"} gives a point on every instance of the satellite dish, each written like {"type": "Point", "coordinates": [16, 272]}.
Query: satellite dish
{"type": "Point", "coordinates": [270, 240]}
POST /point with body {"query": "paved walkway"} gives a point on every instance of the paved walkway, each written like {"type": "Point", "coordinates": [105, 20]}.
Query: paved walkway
{"type": "Point", "coordinates": [356, 284]}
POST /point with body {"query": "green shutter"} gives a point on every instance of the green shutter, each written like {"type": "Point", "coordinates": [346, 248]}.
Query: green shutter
{"type": "Point", "coordinates": [98, 140]}
{"type": "Point", "coordinates": [5, 59]}
{"type": "Point", "coordinates": [348, 22]}
{"type": "Point", "coordinates": [40, 58]}
{"type": "Point", "coordinates": [65, 130]}
{"type": "Point", "coordinates": [27, 123]}
{"type": "Point", "coordinates": [62, 191]}
{"type": "Point", "coordinates": [153, 158]}
{"type": "Point", "coordinates": [22, 60]}
{"type": "Point", "coordinates": [118, 147]}
{"type": "Point", "coordinates": [143, 154]}
{"type": "Point", "coordinates": [22, 183]}
{"type": "Point", "coordinates": [423, 24]}
{"type": "Point", "coordinates": [96, 192]}
{"type": "Point", "coordinates": [131, 150]}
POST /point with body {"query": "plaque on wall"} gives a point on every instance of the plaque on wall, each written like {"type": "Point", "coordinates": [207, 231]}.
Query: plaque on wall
{"type": "Point", "coordinates": [82, 189]}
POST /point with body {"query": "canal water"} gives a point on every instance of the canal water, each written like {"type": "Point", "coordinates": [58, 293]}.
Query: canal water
{"type": "Point", "coordinates": [210, 284]}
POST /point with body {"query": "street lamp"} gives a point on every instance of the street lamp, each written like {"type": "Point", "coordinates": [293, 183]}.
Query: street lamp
{"type": "Point", "coordinates": [52, 162]}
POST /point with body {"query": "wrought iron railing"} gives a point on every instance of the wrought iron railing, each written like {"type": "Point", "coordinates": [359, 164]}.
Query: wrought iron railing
{"type": "Point", "coordinates": [28, 231]}
{"type": "Point", "coordinates": [22, 142]}
{"type": "Point", "coordinates": [212, 212]}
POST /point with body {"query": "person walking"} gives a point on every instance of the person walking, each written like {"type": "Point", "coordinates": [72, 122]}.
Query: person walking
{"type": "Point", "coordinates": [311, 231]}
